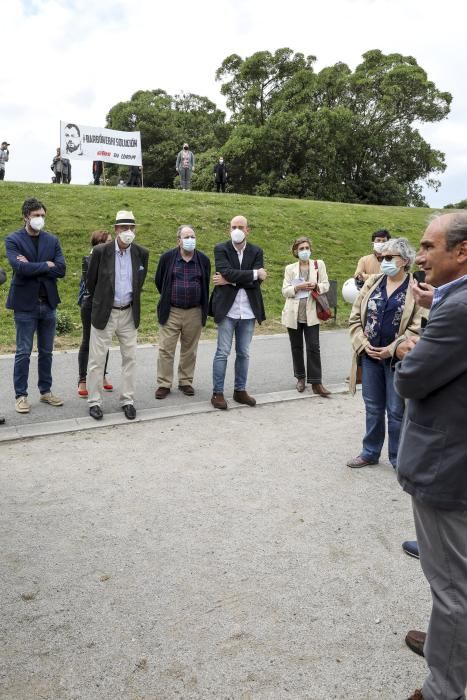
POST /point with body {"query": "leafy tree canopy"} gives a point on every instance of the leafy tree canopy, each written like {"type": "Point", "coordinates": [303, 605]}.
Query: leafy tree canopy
{"type": "Point", "coordinates": [338, 134]}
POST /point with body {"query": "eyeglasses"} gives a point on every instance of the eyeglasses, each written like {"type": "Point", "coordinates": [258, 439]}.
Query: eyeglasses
{"type": "Point", "coordinates": [390, 257]}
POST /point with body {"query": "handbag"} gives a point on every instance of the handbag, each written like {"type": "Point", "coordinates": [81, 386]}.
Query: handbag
{"type": "Point", "coordinates": [323, 310]}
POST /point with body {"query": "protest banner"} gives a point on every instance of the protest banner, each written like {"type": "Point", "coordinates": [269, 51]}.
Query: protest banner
{"type": "Point", "coordinates": [95, 143]}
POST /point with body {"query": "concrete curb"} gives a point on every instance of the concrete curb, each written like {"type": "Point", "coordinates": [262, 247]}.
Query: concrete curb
{"type": "Point", "coordinates": [72, 425]}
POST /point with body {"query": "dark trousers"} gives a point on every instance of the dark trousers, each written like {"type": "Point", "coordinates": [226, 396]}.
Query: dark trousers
{"type": "Point", "coordinates": [58, 178]}
{"type": "Point", "coordinates": [313, 356]}
{"type": "Point", "coordinates": [83, 354]}
{"type": "Point", "coordinates": [442, 541]}
{"type": "Point", "coordinates": [2, 173]}
{"type": "Point", "coordinates": [220, 186]}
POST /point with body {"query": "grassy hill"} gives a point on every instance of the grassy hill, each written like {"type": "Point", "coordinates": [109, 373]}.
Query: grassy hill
{"type": "Point", "coordinates": [340, 235]}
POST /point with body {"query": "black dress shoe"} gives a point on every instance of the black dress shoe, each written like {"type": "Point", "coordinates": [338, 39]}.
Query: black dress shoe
{"type": "Point", "coordinates": [129, 410]}
{"type": "Point", "coordinates": [96, 412]}
{"type": "Point", "coordinates": [410, 547]}
{"type": "Point", "coordinates": [186, 389]}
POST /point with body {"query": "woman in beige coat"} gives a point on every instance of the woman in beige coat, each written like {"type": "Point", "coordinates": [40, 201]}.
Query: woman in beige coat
{"type": "Point", "coordinates": [299, 314]}
{"type": "Point", "coordinates": [384, 311]}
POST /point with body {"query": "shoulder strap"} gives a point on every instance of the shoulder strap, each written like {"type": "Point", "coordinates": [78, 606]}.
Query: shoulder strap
{"type": "Point", "coordinates": [316, 268]}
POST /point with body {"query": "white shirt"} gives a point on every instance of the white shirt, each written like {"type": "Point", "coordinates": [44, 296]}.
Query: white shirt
{"type": "Point", "coordinates": [123, 276]}
{"type": "Point", "coordinates": [241, 308]}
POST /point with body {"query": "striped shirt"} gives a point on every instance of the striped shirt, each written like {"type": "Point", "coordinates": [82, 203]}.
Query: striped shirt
{"type": "Point", "coordinates": [440, 292]}
{"type": "Point", "coordinates": [123, 276]}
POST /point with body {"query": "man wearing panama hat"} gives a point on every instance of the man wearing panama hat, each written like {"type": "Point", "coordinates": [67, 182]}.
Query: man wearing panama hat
{"type": "Point", "coordinates": [116, 275]}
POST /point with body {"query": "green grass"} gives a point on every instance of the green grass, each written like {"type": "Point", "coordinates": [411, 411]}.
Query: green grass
{"type": "Point", "coordinates": [340, 235]}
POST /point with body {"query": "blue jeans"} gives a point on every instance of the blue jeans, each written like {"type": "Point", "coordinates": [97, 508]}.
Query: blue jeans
{"type": "Point", "coordinates": [380, 397]}
{"type": "Point", "coordinates": [42, 321]}
{"type": "Point", "coordinates": [243, 329]}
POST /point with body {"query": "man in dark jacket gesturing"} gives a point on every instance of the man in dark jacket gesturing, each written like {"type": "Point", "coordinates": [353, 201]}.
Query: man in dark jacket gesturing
{"type": "Point", "coordinates": [432, 458]}
{"type": "Point", "coordinates": [236, 303]}
{"type": "Point", "coordinates": [182, 279]}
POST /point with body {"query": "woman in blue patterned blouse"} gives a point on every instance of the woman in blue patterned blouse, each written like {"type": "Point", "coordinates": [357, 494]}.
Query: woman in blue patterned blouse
{"type": "Point", "coordinates": [384, 310]}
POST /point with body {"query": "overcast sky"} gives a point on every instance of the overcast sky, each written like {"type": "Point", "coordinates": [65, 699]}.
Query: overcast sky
{"type": "Point", "coordinates": [74, 59]}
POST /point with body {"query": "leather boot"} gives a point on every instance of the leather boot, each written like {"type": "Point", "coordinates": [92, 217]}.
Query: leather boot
{"type": "Point", "coordinates": [300, 385]}
{"type": "Point", "coordinates": [320, 389]}
{"type": "Point", "coordinates": [244, 397]}
{"type": "Point", "coordinates": [218, 401]}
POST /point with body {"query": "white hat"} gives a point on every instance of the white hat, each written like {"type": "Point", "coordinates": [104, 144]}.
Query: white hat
{"type": "Point", "coordinates": [125, 217]}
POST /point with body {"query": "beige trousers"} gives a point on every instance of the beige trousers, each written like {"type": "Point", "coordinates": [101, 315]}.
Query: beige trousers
{"type": "Point", "coordinates": [122, 325]}
{"type": "Point", "coordinates": [186, 325]}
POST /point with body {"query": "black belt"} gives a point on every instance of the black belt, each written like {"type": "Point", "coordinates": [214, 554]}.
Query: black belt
{"type": "Point", "coordinates": [193, 306]}
{"type": "Point", "coordinates": [122, 308]}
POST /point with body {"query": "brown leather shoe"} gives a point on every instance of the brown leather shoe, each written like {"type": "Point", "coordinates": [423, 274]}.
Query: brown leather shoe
{"type": "Point", "coordinates": [218, 401]}
{"type": "Point", "coordinates": [359, 461]}
{"type": "Point", "coordinates": [186, 389]}
{"type": "Point", "coordinates": [416, 696]}
{"type": "Point", "coordinates": [320, 389]}
{"type": "Point", "coordinates": [162, 392]}
{"type": "Point", "coordinates": [301, 385]}
{"type": "Point", "coordinates": [244, 397]}
{"type": "Point", "coordinates": [415, 640]}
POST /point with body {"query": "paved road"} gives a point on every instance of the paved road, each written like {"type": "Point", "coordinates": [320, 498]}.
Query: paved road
{"type": "Point", "coordinates": [270, 371]}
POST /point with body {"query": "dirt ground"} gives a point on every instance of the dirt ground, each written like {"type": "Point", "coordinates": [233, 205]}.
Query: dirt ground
{"type": "Point", "coordinates": [223, 555]}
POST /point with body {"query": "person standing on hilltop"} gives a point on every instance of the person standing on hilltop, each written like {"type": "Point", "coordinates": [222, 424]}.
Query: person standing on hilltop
{"type": "Point", "coordinates": [61, 168]}
{"type": "Point", "coordinates": [220, 175]}
{"type": "Point", "coordinates": [185, 165]}
{"type": "Point", "coordinates": [4, 158]}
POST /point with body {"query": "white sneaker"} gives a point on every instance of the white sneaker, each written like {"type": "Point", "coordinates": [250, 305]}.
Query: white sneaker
{"type": "Point", "coordinates": [22, 404]}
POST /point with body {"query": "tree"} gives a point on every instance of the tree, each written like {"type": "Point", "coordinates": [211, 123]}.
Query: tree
{"type": "Point", "coordinates": [336, 135]}
{"type": "Point", "coordinates": [255, 81]}
{"type": "Point", "coordinates": [165, 123]}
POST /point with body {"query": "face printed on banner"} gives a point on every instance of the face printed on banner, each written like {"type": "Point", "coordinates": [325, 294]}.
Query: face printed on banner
{"type": "Point", "coordinates": [72, 138]}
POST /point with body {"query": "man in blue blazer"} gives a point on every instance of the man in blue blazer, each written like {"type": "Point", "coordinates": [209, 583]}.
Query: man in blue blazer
{"type": "Point", "coordinates": [37, 262]}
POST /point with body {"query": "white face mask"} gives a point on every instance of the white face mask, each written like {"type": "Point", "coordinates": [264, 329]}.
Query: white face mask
{"type": "Point", "coordinates": [304, 254]}
{"type": "Point", "coordinates": [237, 235]}
{"type": "Point", "coordinates": [37, 222]}
{"type": "Point", "coordinates": [127, 237]}
{"type": "Point", "coordinates": [188, 244]}
{"type": "Point", "coordinates": [378, 247]}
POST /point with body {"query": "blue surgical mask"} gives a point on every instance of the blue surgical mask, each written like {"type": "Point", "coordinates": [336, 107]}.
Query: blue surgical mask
{"type": "Point", "coordinates": [188, 244]}
{"type": "Point", "coordinates": [304, 255]}
{"type": "Point", "coordinates": [389, 268]}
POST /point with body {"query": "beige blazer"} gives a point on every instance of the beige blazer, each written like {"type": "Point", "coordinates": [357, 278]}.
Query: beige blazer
{"type": "Point", "coordinates": [410, 324]}
{"type": "Point", "coordinates": [290, 310]}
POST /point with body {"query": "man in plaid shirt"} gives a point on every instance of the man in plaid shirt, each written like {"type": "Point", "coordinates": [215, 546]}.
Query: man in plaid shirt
{"type": "Point", "coordinates": [182, 279]}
